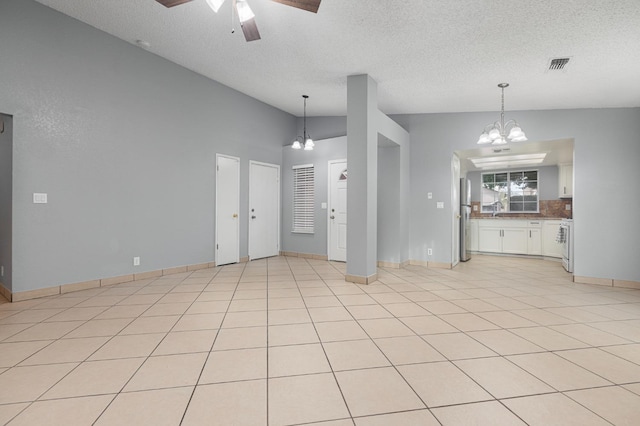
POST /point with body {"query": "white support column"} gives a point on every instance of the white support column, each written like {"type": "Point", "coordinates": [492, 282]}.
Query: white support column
{"type": "Point", "coordinates": [362, 196]}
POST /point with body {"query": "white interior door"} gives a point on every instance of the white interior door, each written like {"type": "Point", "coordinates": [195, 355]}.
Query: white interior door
{"type": "Point", "coordinates": [227, 209]}
{"type": "Point", "coordinates": [337, 244]}
{"type": "Point", "coordinates": [264, 210]}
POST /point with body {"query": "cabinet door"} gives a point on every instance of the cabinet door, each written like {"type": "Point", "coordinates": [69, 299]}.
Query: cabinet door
{"type": "Point", "coordinates": [473, 235]}
{"type": "Point", "coordinates": [490, 240]}
{"type": "Point", "coordinates": [514, 240]}
{"type": "Point", "coordinates": [550, 247]}
{"type": "Point", "coordinates": [534, 242]}
{"type": "Point", "coordinates": [565, 180]}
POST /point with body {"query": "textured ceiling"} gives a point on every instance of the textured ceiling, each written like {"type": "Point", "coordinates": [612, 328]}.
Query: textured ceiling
{"type": "Point", "coordinates": [426, 55]}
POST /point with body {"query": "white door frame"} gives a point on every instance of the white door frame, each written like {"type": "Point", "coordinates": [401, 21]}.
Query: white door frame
{"type": "Point", "coordinates": [455, 210]}
{"type": "Point", "coordinates": [329, 182]}
{"type": "Point", "coordinates": [277, 167]}
{"type": "Point", "coordinates": [237, 207]}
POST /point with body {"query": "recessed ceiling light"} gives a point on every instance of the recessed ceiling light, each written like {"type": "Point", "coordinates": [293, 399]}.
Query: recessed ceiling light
{"type": "Point", "coordinates": [508, 160]}
{"type": "Point", "coordinates": [144, 44]}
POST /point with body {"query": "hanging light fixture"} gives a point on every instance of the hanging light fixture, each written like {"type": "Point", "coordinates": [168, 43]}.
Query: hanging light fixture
{"type": "Point", "coordinates": [496, 133]}
{"type": "Point", "coordinates": [305, 140]}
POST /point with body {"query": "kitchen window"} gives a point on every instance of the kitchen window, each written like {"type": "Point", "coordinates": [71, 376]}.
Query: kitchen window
{"type": "Point", "coordinates": [303, 189]}
{"type": "Point", "coordinates": [510, 192]}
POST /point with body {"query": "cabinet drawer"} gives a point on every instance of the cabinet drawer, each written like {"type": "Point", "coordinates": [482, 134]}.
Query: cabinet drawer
{"type": "Point", "coordinates": [535, 224]}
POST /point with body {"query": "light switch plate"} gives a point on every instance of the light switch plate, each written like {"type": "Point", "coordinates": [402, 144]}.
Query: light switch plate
{"type": "Point", "coordinates": [440, 205]}
{"type": "Point", "coordinates": [136, 261]}
{"type": "Point", "coordinates": [39, 198]}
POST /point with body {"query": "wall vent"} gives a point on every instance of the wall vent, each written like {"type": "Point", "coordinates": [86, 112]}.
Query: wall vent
{"type": "Point", "coordinates": [558, 64]}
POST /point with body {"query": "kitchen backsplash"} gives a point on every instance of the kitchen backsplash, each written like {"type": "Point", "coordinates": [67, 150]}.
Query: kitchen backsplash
{"type": "Point", "coordinates": [552, 209]}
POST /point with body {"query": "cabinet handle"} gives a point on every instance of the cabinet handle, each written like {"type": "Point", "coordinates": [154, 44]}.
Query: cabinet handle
{"type": "Point", "coordinates": [529, 234]}
{"type": "Point", "coordinates": [564, 191]}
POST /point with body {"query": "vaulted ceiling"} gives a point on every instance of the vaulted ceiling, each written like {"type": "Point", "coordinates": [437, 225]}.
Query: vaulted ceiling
{"type": "Point", "coordinates": [426, 55]}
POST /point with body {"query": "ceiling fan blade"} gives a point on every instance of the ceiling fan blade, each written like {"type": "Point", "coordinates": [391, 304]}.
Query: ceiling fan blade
{"type": "Point", "coordinates": [250, 30]}
{"type": "Point", "coordinates": [171, 3]}
{"type": "Point", "coordinates": [310, 5]}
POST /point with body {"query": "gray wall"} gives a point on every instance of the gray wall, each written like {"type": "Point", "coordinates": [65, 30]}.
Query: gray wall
{"type": "Point", "coordinates": [606, 153]}
{"type": "Point", "coordinates": [389, 235]}
{"type": "Point", "coordinates": [547, 182]}
{"type": "Point", "coordinates": [6, 180]}
{"type": "Point", "coordinates": [323, 152]}
{"type": "Point", "coordinates": [124, 143]}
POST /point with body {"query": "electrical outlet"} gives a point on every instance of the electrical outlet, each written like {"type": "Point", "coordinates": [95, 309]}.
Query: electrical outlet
{"type": "Point", "coordinates": [429, 195]}
{"type": "Point", "coordinates": [429, 252]}
{"type": "Point", "coordinates": [475, 207]}
{"type": "Point", "coordinates": [136, 261]}
{"type": "Point", "coordinates": [39, 198]}
{"type": "Point", "coordinates": [567, 206]}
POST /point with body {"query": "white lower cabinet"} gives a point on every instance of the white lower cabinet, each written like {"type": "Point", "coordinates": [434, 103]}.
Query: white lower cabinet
{"type": "Point", "coordinates": [534, 237]}
{"type": "Point", "coordinates": [510, 236]}
{"type": "Point", "coordinates": [550, 247]}
{"type": "Point", "coordinates": [514, 240]}
{"type": "Point", "coordinates": [473, 235]}
{"type": "Point", "coordinates": [490, 239]}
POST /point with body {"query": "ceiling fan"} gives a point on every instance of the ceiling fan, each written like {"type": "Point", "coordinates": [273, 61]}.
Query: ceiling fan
{"type": "Point", "coordinates": [245, 14]}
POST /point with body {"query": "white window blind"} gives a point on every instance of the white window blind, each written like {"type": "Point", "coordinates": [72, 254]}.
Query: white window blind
{"type": "Point", "coordinates": [303, 177]}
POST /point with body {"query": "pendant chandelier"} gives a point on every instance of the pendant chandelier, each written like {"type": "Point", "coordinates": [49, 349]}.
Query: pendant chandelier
{"type": "Point", "coordinates": [305, 140]}
{"type": "Point", "coordinates": [496, 133]}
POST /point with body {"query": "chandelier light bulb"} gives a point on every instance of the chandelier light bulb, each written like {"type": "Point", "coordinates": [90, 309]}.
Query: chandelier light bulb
{"type": "Point", "coordinates": [500, 141]}
{"type": "Point", "coordinates": [494, 134]}
{"type": "Point", "coordinates": [484, 138]}
{"type": "Point", "coordinates": [516, 132]}
{"type": "Point", "coordinates": [296, 144]}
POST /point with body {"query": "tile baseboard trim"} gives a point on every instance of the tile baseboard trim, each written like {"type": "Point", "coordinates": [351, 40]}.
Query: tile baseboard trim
{"type": "Point", "coordinates": [5, 292]}
{"type": "Point", "coordinates": [429, 264]}
{"type": "Point", "coordinates": [304, 255]}
{"type": "Point", "coordinates": [608, 282]}
{"type": "Point", "coordinates": [68, 288]}
{"type": "Point", "coordinates": [626, 284]}
{"type": "Point", "coordinates": [103, 282]}
{"type": "Point", "coordinates": [361, 279]}
{"type": "Point", "coordinates": [392, 265]}
{"type": "Point", "coordinates": [592, 280]}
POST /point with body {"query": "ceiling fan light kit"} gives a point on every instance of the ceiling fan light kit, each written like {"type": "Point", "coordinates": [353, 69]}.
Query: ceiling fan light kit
{"type": "Point", "coordinates": [305, 140]}
{"type": "Point", "coordinates": [496, 133]}
{"type": "Point", "coordinates": [245, 14]}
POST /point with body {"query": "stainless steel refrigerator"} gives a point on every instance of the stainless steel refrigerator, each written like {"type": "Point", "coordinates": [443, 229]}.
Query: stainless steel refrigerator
{"type": "Point", "coordinates": [465, 215]}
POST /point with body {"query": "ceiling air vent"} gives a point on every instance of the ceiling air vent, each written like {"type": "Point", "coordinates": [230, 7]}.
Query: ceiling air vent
{"type": "Point", "coordinates": [558, 64]}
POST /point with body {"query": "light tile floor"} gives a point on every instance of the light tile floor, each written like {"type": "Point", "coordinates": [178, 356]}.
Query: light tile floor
{"type": "Point", "coordinates": [286, 341]}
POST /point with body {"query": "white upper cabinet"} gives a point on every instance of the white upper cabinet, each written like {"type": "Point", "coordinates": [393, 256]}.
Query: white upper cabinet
{"type": "Point", "coordinates": [565, 180]}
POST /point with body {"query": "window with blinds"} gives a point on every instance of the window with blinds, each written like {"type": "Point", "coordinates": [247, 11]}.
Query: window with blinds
{"type": "Point", "coordinates": [303, 178]}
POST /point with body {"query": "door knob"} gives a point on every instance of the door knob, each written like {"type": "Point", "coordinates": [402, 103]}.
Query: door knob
{"type": "Point", "coordinates": [332, 217]}
{"type": "Point", "coordinates": [253, 217]}
{"type": "Point", "coordinates": [235, 215]}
